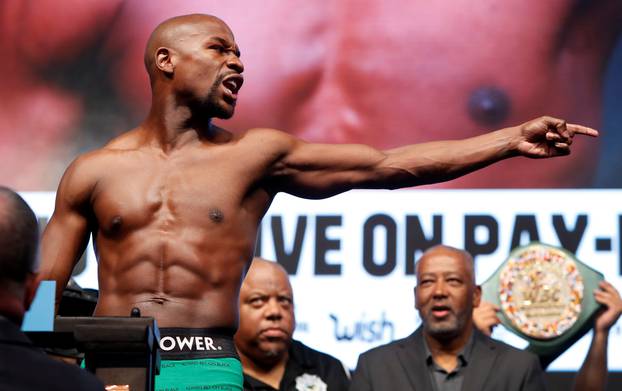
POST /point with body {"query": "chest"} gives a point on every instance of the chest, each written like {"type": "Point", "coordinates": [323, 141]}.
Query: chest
{"type": "Point", "coordinates": [173, 192]}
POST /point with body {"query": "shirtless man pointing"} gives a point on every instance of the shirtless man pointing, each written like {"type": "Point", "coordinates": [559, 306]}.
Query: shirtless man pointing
{"type": "Point", "coordinates": [174, 205]}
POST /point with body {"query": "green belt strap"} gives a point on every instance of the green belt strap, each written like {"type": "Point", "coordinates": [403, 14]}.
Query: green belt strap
{"type": "Point", "coordinates": [200, 374]}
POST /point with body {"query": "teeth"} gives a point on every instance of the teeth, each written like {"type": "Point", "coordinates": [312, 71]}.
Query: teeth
{"type": "Point", "coordinates": [231, 85]}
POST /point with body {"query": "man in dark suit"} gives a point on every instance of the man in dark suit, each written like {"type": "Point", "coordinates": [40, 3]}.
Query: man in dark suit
{"type": "Point", "coordinates": [447, 352]}
{"type": "Point", "coordinates": [23, 366]}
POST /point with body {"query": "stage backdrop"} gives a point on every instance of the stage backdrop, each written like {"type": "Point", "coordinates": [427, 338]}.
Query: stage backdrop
{"type": "Point", "coordinates": [377, 72]}
{"type": "Point", "coordinates": [351, 257]}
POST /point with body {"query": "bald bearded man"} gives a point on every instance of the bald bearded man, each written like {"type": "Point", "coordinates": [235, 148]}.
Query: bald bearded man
{"type": "Point", "coordinates": [271, 358]}
{"type": "Point", "coordinates": [174, 204]}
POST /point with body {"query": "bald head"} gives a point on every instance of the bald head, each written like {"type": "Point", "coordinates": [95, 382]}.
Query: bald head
{"type": "Point", "coordinates": [266, 314]}
{"type": "Point", "coordinates": [19, 235]}
{"type": "Point", "coordinates": [261, 268]}
{"type": "Point", "coordinates": [173, 32]}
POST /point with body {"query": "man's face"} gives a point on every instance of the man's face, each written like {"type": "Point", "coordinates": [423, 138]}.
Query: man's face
{"type": "Point", "coordinates": [208, 68]}
{"type": "Point", "coordinates": [266, 313]}
{"type": "Point", "coordinates": [445, 293]}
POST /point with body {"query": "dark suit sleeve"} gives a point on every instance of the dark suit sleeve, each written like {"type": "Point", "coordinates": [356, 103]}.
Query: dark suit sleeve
{"type": "Point", "coordinates": [534, 377]}
{"type": "Point", "coordinates": [360, 377]}
{"type": "Point", "coordinates": [337, 378]}
{"type": "Point", "coordinates": [332, 372]}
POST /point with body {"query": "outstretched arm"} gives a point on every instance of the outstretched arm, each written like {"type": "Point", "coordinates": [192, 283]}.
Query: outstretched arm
{"type": "Point", "coordinates": [593, 373]}
{"type": "Point", "coordinates": [317, 170]}
{"type": "Point", "coordinates": [66, 234]}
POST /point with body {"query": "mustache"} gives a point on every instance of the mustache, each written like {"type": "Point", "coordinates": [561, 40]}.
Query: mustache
{"type": "Point", "coordinates": [282, 329]}
{"type": "Point", "coordinates": [222, 76]}
{"type": "Point", "coordinates": [441, 307]}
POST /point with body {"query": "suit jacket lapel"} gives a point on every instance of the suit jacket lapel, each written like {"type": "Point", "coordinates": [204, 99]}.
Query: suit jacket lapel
{"type": "Point", "coordinates": [480, 364]}
{"type": "Point", "coordinates": [411, 356]}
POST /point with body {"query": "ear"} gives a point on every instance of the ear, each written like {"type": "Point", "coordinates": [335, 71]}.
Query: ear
{"type": "Point", "coordinates": [164, 61]}
{"type": "Point", "coordinates": [30, 289]}
{"type": "Point", "coordinates": [477, 296]}
{"type": "Point", "coordinates": [293, 319]}
{"type": "Point", "coordinates": [415, 294]}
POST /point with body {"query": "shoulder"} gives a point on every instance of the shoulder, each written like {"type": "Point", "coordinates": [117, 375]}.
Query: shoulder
{"type": "Point", "coordinates": [55, 375]}
{"type": "Point", "coordinates": [268, 138]}
{"type": "Point", "coordinates": [303, 352]}
{"type": "Point", "coordinates": [98, 160]}
{"type": "Point", "coordinates": [389, 348]}
{"type": "Point", "coordinates": [326, 367]}
{"type": "Point", "coordinates": [513, 368]}
{"type": "Point", "coordinates": [82, 175]}
{"type": "Point", "coordinates": [130, 140]}
{"type": "Point", "coordinates": [88, 162]}
{"type": "Point", "coordinates": [271, 146]}
{"type": "Point", "coordinates": [272, 139]}
{"type": "Point", "coordinates": [79, 378]}
{"type": "Point", "coordinates": [267, 134]}
{"type": "Point", "coordinates": [383, 355]}
{"type": "Point", "coordinates": [87, 169]}
{"type": "Point", "coordinates": [509, 354]}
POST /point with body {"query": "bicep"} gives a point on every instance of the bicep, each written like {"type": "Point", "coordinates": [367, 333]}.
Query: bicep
{"type": "Point", "coordinates": [322, 170]}
{"type": "Point", "coordinates": [64, 240]}
{"type": "Point", "coordinates": [66, 235]}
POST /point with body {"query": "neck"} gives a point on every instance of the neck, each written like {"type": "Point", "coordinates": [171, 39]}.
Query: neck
{"type": "Point", "coordinates": [270, 372]}
{"type": "Point", "coordinates": [12, 306]}
{"type": "Point", "coordinates": [440, 345]}
{"type": "Point", "coordinates": [445, 350]}
{"type": "Point", "coordinates": [172, 124]}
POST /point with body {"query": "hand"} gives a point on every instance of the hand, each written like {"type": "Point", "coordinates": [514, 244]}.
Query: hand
{"type": "Point", "coordinates": [485, 317]}
{"type": "Point", "coordinates": [608, 296]}
{"type": "Point", "coordinates": [548, 137]}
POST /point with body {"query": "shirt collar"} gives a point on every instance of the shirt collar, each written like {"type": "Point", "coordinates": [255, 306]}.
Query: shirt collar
{"type": "Point", "coordinates": [464, 355]}
{"type": "Point", "coordinates": [298, 362]}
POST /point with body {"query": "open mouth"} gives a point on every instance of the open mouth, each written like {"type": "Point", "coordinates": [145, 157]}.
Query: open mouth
{"type": "Point", "coordinates": [440, 311]}
{"type": "Point", "coordinates": [232, 84]}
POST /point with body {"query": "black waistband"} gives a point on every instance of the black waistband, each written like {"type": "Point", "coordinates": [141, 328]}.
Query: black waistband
{"type": "Point", "coordinates": [186, 344]}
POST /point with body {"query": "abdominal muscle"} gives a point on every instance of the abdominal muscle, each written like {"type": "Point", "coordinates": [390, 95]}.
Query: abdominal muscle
{"type": "Point", "coordinates": [187, 279]}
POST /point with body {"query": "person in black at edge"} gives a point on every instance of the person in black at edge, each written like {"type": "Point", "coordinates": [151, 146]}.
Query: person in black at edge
{"type": "Point", "coordinates": [271, 359]}
{"type": "Point", "coordinates": [22, 365]}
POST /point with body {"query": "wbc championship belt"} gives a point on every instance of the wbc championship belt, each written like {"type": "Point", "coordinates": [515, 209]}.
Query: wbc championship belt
{"type": "Point", "coordinates": [545, 297]}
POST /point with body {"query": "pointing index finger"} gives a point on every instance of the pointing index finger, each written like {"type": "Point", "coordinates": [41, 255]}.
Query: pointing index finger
{"type": "Point", "coordinates": [580, 129]}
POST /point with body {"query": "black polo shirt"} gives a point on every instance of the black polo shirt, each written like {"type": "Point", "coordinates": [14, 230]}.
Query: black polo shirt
{"type": "Point", "coordinates": [452, 381]}
{"type": "Point", "coordinates": [305, 367]}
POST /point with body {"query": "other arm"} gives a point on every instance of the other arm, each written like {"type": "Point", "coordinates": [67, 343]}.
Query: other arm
{"type": "Point", "coordinates": [319, 170]}
{"type": "Point", "coordinates": [66, 234]}
{"type": "Point", "coordinates": [593, 372]}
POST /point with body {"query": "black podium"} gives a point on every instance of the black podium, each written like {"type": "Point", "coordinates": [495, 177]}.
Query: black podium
{"type": "Point", "coordinates": [118, 350]}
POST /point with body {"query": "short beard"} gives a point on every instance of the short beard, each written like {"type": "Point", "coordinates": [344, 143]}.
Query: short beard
{"type": "Point", "coordinates": [272, 353]}
{"type": "Point", "coordinates": [268, 358]}
{"type": "Point", "coordinates": [446, 330]}
{"type": "Point", "coordinates": [214, 108]}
